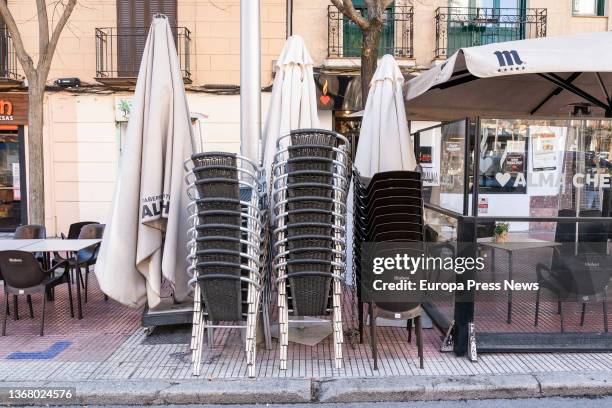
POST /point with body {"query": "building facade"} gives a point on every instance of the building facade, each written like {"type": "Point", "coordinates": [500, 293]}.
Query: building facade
{"type": "Point", "coordinates": [102, 44]}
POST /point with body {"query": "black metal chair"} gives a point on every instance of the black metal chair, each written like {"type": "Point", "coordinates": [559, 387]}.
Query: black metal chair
{"type": "Point", "coordinates": [226, 234]}
{"type": "Point", "coordinates": [310, 185]}
{"type": "Point", "coordinates": [581, 267]}
{"type": "Point", "coordinates": [31, 231]}
{"type": "Point", "coordinates": [73, 233]}
{"type": "Point", "coordinates": [23, 275]}
{"type": "Point", "coordinates": [389, 208]}
{"type": "Point", "coordinates": [88, 257]}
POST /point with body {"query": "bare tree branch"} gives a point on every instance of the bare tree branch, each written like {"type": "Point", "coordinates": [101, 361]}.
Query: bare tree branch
{"type": "Point", "coordinates": [45, 64]}
{"type": "Point", "coordinates": [346, 7]}
{"type": "Point", "coordinates": [43, 27]}
{"type": "Point", "coordinates": [387, 4]}
{"type": "Point", "coordinates": [24, 58]}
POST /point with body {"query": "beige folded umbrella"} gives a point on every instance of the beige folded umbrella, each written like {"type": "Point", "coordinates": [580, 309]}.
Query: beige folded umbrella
{"type": "Point", "coordinates": [145, 237]}
{"type": "Point", "coordinates": [294, 98]}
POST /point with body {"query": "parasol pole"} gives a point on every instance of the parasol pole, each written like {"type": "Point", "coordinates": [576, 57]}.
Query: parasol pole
{"type": "Point", "coordinates": [250, 80]}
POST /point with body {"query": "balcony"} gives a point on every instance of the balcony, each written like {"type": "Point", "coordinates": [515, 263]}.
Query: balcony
{"type": "Point", "coordinates": [119, 52]}
{"type": "Point", "coordinates": [8, 60]}
{"type": "Point", "coordinates": [344, 37]}
{"type": "Point", "coordinates": [458, 27]}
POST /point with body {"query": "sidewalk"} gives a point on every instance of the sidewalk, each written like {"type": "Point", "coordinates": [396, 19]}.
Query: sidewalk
{"type": "Point", "coordinates": [110, 359]}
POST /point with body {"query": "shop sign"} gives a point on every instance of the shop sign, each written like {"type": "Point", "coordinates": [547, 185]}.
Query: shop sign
{"type": "Point", "coordinates": [13, 108]}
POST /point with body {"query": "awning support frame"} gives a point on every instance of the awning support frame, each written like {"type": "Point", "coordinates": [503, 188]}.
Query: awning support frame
{"type": "Point", "coordinates": [566, 85]}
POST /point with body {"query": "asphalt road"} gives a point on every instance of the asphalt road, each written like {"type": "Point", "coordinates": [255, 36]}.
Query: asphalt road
{"type": "Point", "coordinates": [604, 402]}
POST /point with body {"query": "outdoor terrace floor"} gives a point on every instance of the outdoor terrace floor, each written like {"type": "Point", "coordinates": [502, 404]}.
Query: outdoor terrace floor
{"type": "Point", "coordinates": [110, 344]}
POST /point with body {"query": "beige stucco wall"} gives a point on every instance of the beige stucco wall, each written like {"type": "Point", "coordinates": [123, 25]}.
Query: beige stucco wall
{"type": "Point", "coordinates": [215, 30]}
{"type": "Point", "coordinates": [215, 27]}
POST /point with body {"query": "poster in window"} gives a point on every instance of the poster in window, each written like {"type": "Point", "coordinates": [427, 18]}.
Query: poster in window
{"type": "Point", "coordinates": [515, 163]}
{"type": "Point", "coordinates": [429, 157]}
{"type": "Point", "coordinates": [544, 148]}
{"type": "Point", "coordinates": [513, 158]}
{"type": "Point", "coordinates": [16, 182]}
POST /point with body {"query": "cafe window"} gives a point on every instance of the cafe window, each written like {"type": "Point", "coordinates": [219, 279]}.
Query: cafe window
{"type": "Point", "coordinates": [589, 7]}
{"type": "Point", "coordinates": [133, 22]}
{"type": "Point", "coordinates": [12, 187]}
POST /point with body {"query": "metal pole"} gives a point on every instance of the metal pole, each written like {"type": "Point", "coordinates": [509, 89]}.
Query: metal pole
{"type": "Point", "coordinates": [289, 17]}
{"type": "Point", "coordinates": [250, 80]}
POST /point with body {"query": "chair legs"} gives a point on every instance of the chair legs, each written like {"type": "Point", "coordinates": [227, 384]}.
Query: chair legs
{"type": "Point", "coordinates": [537, 308]}
{"type": "Point", "coordinates": [197, 332]}
{"type": "Point", "coordinates": [5, 314]}
{"type": "Point", "coordinates": [409, 328]}
{"type": "Point", "coordinates": [15, 308]}
{"type": "Point", "coordinates": [86, 281]}
{"type": "Point", "coordinates": [605, 310]}
{"type": "Point", "coordinates": [582, 313]}
{"type": "Point", "coordinates": [419, 338]}
{"type": "Point", "coordinates": [29, 299]}
{"type": "Point", "coordinates": [251, 331]}
{"type": "Point", "coordinates": [42, 315]}
{"type": "Point", "coordinates": [561, 317]}
{"type": "Point", "coordinates": [373, 338]}
{"type": "Point", "coordinates": [283, 323]}
{"type": "Point", "coordinates": [70, 296]}
{"type": "Point", "coordinates": [197, 341]}
{"type": "Point", "coordinates": [337, 322]}
{"type": "Point", "coordinates": [265, 312]}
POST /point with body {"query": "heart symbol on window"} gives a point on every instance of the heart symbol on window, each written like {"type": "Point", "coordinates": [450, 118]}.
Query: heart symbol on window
{"type": "Point", "coordinates": [503, 178]}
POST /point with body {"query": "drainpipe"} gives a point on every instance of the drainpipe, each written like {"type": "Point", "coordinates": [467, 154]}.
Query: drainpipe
{"type": "Point", "coordinates": [289, 18]}
{"type": "Point", "coordinates": [250, 80]}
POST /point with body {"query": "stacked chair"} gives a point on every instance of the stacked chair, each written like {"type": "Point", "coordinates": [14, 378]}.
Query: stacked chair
{"type": "Point", "coordinates": [388, 208]}
{"type": "Point", "coordinates": [308, 203]}
{"type": "Point", "coordinates": [226, 249]}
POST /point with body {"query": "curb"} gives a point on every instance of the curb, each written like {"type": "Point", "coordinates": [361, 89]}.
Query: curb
{"type": "Point", "coordinates": [348, 390]}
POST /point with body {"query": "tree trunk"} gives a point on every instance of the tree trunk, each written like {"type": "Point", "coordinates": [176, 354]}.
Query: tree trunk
{"type": "Point", "coordinates": [369, 56]}
{"type": "Point", "coordinates": [35, 179]}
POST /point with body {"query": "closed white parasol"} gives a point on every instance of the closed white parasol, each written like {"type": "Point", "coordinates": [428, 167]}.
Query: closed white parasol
{"type": "Point", "coordinates": [145, 238]}
{"type": "Point", "coordinates": [294, 99]}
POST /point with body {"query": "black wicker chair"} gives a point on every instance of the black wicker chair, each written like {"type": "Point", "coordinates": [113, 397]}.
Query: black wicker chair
{"type": "Point", "coordinates": [309, 193]}
{"type": "Point", "coordinates": [225, 247]}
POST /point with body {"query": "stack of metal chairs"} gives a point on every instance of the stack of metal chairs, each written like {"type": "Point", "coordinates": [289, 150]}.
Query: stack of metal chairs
{"type": "Point", "coordinates": [309, 191]}
{"type": "Point", "coordinates": [388, 209]}
{"type": "Point", "coordinates": [226, 250]}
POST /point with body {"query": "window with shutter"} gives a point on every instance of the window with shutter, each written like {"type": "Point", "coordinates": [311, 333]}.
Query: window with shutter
{"type": "Point", "coordinates": [133, 22]}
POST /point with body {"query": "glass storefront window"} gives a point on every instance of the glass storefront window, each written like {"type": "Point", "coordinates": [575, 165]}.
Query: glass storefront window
{"type": "Point", "coordinates": [442, 160]}
{"type": "Point", "coordinates": [561, 168]}
{"type": "Point", "coordinates": [10, 180]}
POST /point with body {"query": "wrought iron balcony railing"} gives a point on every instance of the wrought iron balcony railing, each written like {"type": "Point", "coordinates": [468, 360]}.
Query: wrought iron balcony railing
{"type": "Point", "coordinates": [119, 52]}
{"type": "Point", "coordinates": [458, 27]}
{"type": "Point", "coordinates": [8, 57]}
{"type": "Point", "coordinates": [344, 37]}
